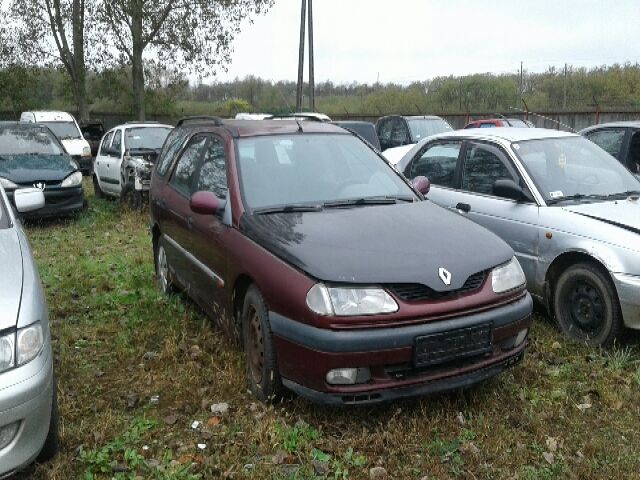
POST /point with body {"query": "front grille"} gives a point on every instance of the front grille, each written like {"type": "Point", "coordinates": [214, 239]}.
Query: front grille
{"type": "Point", "coordinates": [46, 183]}
{"type": "Point", "coordinates": [416, 292]}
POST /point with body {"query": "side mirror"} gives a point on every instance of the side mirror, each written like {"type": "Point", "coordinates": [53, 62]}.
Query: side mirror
{"type": "Point", "coordinates": [421, 184]}
{"type": "Point", "coordinates": [507, 188]}
{"type": "Point", "coordinates": [204, 203]}
{"type": "Point", "coordinates": [28, 199]}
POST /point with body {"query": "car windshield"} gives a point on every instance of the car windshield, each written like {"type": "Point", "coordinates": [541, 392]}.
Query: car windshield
{"type": "Point", "coordinates": [63, 130]}
{"type": "Point", "coordinates": [145, 137]}
{"type": "Point", "coordinates": [21, 140]}
{"type": "Point", "coordinates": [573, 168]}
{"type": "Point", "coordinates": [314, 169]}
{"type": "Point", "coordinates": [425, 127]}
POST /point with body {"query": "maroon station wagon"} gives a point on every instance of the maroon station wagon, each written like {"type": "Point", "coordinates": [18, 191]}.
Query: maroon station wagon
{"type": "Point", "coordinates": [340, 280]}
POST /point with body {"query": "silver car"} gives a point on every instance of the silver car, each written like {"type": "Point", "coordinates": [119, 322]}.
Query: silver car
{"type": "Point", "coordinates": [569, 210]}
{"type": "Point", "coordinates": [28, 406]}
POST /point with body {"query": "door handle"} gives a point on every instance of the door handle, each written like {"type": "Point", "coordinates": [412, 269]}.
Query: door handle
{"type": "Point", "coordinates": [463, 207]}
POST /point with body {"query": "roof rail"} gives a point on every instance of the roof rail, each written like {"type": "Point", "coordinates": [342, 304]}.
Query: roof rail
{"type": "Point", "coordinates": [217, 121]}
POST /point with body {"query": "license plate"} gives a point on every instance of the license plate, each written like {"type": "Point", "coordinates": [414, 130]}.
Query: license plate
{"type": "Point", "coordinates": [452, 345]}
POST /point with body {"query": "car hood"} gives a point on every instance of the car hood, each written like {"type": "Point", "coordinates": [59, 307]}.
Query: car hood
{"type": "Point", "coordinates": [622, 213]}
{"type": "Point", "coordinates": [395, 154]}
{"type": "Point", "coordinates": [74, 146]}
{"type": "Point", "coordinates": [11, 275]}
{"type": "Point", "coordinates": [30, 168]}
{"type": "Point", "coordinates": [403, 243]}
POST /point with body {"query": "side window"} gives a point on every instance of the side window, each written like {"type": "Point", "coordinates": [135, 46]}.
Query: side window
{"type": "Point", "coordinates": [212, 175]}
{"type": "Point", "coordinates": [188, 162]}
{"type": "Point", "coordinates": [400, 132]}
{"type": "Point", "coordinates": [610, 140]}
{"type": "Point", "coordinates": [117, 141]}
{"type": "Point", "coordinates": [385, 130]}
{"type": "Point", "coordinates": [437, 163]}
{"type": "Point", "coordinates": [633, 162]}
{"type": "Point", "coordinates": [482, 167]}
{"type": "Point", "coordinates": [105, 143]}
{"type": "Point", "coordinates": [169, 150]}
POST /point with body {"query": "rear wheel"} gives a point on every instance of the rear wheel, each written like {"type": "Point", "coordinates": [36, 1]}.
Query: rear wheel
{"type": "Point", "coordinates": [52, 442]}
{"type": "Point", "coordinates": [586, 305]}
{"type": "Point", "coordinates": [130, 197]}
{"type": "Point", "coordinates": [262, 362]}
{"type": "Point", "coordinates": [96, 188]}
{"type": "Point", "coordinates": [162, 268]}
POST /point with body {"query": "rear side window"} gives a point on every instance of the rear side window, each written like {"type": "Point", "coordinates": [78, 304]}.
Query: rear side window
{"type": "Point", "coordinates": [169, 150]}
{"type": "Point", "coordinates": [482, 167]}
{"type": "Point", "coordinates": [117, 141]}
{"type": "Point", "coordinates": [187, 164]}
{"type": "Point", "coordinates": [437, 163]}
{"type": "Point", "coordinates": [610, 140]}
{"type": "Point", "coordinates": [105, 144]}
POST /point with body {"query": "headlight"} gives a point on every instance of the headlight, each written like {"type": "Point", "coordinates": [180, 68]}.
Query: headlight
{"type": "Point", "coordinates": [8, 184]}
{"type": "Point", "coordinates": [6, 352]}
{"type": "Point", "coordinates": [507, 277]}
{"type": "Point", "coordinates": [29, 343]}
{"type": "Point", "coordinates": [86, 152]}
{"type": "Point", "coordinates": [343, 302]}
{"type": "Point", "coordinates": [72, 180]}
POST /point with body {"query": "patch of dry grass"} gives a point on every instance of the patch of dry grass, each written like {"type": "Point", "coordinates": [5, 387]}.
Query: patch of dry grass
{"type": "Point", "coordinates": [566, 412]}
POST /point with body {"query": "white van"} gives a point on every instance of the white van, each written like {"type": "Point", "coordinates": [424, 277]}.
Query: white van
{"type": "Point", "coordinates": [65, 127]}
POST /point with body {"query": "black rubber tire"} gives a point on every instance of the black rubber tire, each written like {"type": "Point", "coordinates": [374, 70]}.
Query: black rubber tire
{"type": "Point", "coordinates": [586, 287]}
{"type": "Point", "coordinates": [96, 188]}
{"type": "Point", "coordinates": [51, 445]}
{"type": "Point", "coordinates": [165, 285]}
{"type": "Point", "coordinates": [267, 384]}
{"type": "Point", "coordinates": [130, 197]}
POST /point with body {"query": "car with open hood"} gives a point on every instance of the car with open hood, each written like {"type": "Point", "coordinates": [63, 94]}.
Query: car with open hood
{"type": "Point", "coordinates": [28, 401]}
{"type": "Point", "coordinates": [340, 281]}
{"type": "Point", "coordinates": [570, 211]}
{"type": "Point", "coordinates": [127, 153]}
{"type": "Point", "coordinates": [32, 156]}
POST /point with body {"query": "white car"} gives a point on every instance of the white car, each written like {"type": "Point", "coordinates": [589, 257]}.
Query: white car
{"type": "Point", "coordinates": [65, 127]}
{"type": "Point", "coordinates": [395, 154]}
{"type": "Point", "coordinates": [125, 158]}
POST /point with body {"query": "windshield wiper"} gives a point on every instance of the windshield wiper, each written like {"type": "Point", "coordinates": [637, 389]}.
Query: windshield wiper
{"type": "Point", "coordinates": [626, 194]}
{"type": "Point", "coordinates": [577, 196]}
{"type": "Point", "coordinates": [385, 200]}
{"type": "Point", "coordinates": [288, 209]}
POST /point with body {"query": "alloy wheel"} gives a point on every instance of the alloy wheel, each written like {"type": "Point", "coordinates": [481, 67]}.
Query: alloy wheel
{"type": "Point", "coordinates": [255, 350]}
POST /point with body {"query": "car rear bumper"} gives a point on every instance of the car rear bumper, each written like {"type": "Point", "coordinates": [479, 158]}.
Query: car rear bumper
{"type": "Point", "coordinates": [58, 202]}
{"type": "Point", "coordinates": [306, 354]}
{"type": "Point", "coordinates": [628, 288]}
{"type": "Point", "coordinates": [26, 397]}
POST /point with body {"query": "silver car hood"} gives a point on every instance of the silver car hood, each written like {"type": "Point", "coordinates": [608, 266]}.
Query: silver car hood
{"type": "Point", "coordinates": [11, 276]}
{"type": "Point", "coordinates": [622, 213]}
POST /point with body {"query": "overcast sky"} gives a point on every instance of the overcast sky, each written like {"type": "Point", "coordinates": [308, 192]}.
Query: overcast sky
{"type": "Point", "coordinates": [406, 40]}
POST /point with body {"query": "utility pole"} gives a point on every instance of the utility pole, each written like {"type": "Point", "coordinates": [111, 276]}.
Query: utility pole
{"type": "Point", "coordinates": [564, 89]}
{"type": "Point", "coordinates": [303, 17]}
{"type": "Point", "coordinates": [521, 79]}
{"type": "Point", "coordinates": [312, 83]}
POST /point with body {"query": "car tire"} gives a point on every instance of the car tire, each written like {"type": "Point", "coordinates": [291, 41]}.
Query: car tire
{"type": "Point", "coordinates": [52, 442]}
{"type": "Point", "coordinates": [262, 362]}
{"type": "Point", "coordinates": [96, 188]}
{"type": "Point", "coordinates": [585, 305]}
{"type": "Point", "coordinates": [130, 197]}
{"type": "Point", "coordinates": [163, 278]}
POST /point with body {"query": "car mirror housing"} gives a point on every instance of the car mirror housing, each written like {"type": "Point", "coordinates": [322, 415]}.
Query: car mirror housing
{"type": "Point", "coordinates": [204, 203]}
{"type": "Point", "coordinates": [28, 199]}
{"type": "Point", "coordinates": [421, 184]}
{"type": "Point", "coordinates": [507, 188]}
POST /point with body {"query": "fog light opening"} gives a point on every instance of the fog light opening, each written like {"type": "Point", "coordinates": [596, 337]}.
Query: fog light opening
{"type": "Point", "coordinates": [521, 337]}
{"type": "Point", "coordinates": [348, 376]}
{"type": "Point", "coordinates": [8, 433]}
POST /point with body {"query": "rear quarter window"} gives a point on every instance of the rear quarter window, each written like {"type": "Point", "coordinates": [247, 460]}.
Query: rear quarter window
{"type": "Point", "coordinates": [170, 149]}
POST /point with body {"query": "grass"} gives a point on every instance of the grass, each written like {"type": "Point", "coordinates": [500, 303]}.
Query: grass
{"type": "Point", "coordinates": [119, 343]}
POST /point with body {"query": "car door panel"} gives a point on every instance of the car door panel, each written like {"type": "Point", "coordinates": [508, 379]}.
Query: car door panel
{"type": "Point", "coordinates": [112, 164]}
{"type": "Point", "coordinates": [101, 158]}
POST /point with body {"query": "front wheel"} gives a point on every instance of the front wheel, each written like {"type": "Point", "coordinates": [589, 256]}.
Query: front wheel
{"type": "Point", "coordinates": [130, 197]}
{"type": "Point", "coordinates": [162, 268]}
{"type": "Point", "coordinates": [52, 443]}
{"type": "Point", "coordinates": [262, 362]}
{"type": "Point", "coordinates": [586, 305]}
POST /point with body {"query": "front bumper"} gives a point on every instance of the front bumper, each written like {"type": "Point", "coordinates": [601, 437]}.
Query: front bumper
{"type": "Point", "coordinates": [59, 202]}
{"type": "Point", "coordinates": [26, 396]}
{"type": "Point", "coordinates": [306, 354]}
{"type": "Point", "coordinates": [628, 288]}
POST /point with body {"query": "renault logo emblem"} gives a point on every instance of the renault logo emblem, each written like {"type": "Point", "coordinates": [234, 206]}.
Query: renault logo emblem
{"type": "Point", "coordinates": [445, 276]}
{"type": "Point", "coordinates": [40, 185]}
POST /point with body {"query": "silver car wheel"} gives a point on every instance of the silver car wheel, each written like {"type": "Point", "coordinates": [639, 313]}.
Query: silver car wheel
{"type": "Point", "coordinates": [163, 269]}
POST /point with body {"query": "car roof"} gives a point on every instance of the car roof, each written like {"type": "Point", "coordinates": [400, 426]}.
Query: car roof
{"type": "Point", "coordinates": [51, 116]}
{"type": "Point", "coordinates": [509, 134]}
{"type": "Point", "coordinates": [252, 128]}
{"type": "Point", "coordinates": [626, 123]}
{"type": "Point", "coordinates": [352, 122]}
{"type": "Point", "coordinates": [143, 125]}
{"type": "Point", "coordinates": [415, 117]}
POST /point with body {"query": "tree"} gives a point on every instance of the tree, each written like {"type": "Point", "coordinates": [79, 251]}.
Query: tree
{"type": "Point", "coordinates": [53, 32]}
{"type": "Point", "coordinates": [191, 35]}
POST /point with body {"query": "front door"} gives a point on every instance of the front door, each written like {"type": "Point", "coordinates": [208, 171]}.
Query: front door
{"type": "Point", "coordinates": [112, 164]}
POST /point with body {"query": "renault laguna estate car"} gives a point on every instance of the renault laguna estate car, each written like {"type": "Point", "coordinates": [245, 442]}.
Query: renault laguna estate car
{"type": "Point", "coordinates": [31, 156]}
{"type": "Point", "coordinates": [569, 209]}
{"type": "Point", "coordinates": [343, 284]}
{"type": "Point", "coordinates": [28, 406]}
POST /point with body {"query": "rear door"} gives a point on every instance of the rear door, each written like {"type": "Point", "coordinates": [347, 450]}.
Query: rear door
{"type": "Point", "coordinates": [112, 163]}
